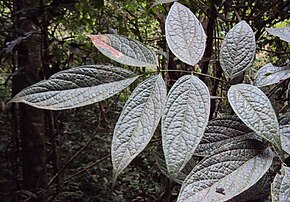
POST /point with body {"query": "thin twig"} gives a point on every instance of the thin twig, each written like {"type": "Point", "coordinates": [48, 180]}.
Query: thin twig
{"type": "Point", "coordinates": [81, 149]}
{"type": "Point", "coordinates": [192, 72]}
{"type": "Point", "coordinates": [271, 51]}
{"type": "Point", "coordinates": [40, 193]}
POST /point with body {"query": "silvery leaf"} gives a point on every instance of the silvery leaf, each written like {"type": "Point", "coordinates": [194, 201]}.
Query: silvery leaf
{"type": "Point", "coordinates": [76, 87]}
{"type": "Point", "coordinates": [125, 51]}
{"type": "Point", "coordinates": [185, 117]}
{"type": "Point", "coordinates": [237, 50]}
{"type": "Point", "coordinates": [231, 170]}
{"type": "Point", "coordinates": [222, 131]}
{"type": "Point", "coordinates": [258, 191]}
{"type": "Point", "coordinates": [254, 108]}
{"type": "Point", "coordinates": [285, 138]}
{"type": "Point", "coordinates": [280, 188]}
{"type": "Point", "coordinates": [270, 74]}
{"type": "Point", "coordinates": [184, 34]}
{"type": "Point", "coordinates": [160, 161]}
{"type": "Point", "coordinates": [283, 33]}
{"type": "Point", "coordinates": [137, 122]}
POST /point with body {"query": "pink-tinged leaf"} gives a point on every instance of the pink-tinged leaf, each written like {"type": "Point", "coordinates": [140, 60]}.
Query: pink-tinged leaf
{"type": "Point", "coordinates": [101, 41]}
{"type": "Point", "coordinates": [123, 50]}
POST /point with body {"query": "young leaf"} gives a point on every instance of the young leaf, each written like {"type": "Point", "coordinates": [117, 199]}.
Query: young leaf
{"type": "Point", "coordinates": [76, 87]}
{"type": "Point", "coordinates": [231, 170]}
{"type": "Point", "coordinates": [270, 74]}
{"type": "Point", "coordinates": [254, 108]}
{"type": "Point", "coordinates": [223, 131]}
{"type": "Point", "coordinates": [285, 138]}
{"type": "Point", "coordinates": [137, 122]}
{"type": "Point", "coordinates": [280, 188]}
{"type": "Point", "coordinates": [237, 50]}
{"type": "Point", "coordinates": [125, 51]}
{"type": "Point", "coordinates": [184, 34]}
{"type": "Point", "coordinates": [282, 33]}
{"type": "Point", "coordinates": [185, 117]}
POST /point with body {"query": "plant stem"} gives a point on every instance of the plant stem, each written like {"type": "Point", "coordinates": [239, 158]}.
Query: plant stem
{"type": "Point", "coordinates": [192, 72]}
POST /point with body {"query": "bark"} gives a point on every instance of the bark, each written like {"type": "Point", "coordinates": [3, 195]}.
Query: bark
{"type": "Point", "coordinates": [31, 120]}
{"type": "Point", "coordinates": [210, 37]}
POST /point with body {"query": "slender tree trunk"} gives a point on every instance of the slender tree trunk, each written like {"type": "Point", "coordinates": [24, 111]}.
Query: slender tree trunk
{"type": "Point", "coordinates": [31, 120]}
{"type": "Point", "coordinates": [210, 37]}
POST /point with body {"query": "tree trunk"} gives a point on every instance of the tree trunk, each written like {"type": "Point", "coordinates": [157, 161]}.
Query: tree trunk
{"type": "Point", "coordinates": [31, 120]}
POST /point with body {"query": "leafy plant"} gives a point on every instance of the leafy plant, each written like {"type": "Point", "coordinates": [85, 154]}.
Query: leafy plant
{"type": "Point", "coordinates": [236, 152]}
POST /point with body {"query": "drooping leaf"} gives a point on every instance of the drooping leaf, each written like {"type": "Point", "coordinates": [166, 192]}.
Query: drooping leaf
{"type": "Point", "coordinates": [282, 33]}
{"type": "Point", "coordinates": [125, 51]}
{"type": "Point", "coordinates": [223, 131]}
{"type": "Point", "coordinates": [184, 34]}
{"type": "Point", "coordinates": [185, 117]}
{"type": "Point", "coordinates": [231, 170]}
{"type": "Point", "coordinates": [76, 87]}
{"type": "Point", "coordinates": [285, 138]}
{"type": "Point", "coordinates": [280, 188]}
{"type": "Point", "coordinates": [160, 161]}
{"type": "Point", "coordinates": [137, 122]}
{"type": "Point", "coordinates": [258, 191]}
{"type": "Point", "coordinates": [162, 2]}
{"type": "Point", "coordinates": [237, 50]}
{"type": "Point", "coordinates": [254, 108]}
{"type": "Point", "coordinates": [270, 74]}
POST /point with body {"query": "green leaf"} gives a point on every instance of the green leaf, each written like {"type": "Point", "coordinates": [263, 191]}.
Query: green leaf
{"type": "Point", "coordinates": [184, 34]}
{"type": "Point", "coordinates": [280, 188]}
{"type": "Point", "coordinates": [285, 138]}
{"type": "Point", "coordinates": [237, 50]}
{"type": "Point", "coordinates": [137, 122]}
{"type": "Point", "coordinates": [283, 33]}
{"type": "Point", "coordinates": [76, 87]}
{"type": "Point", "coordinates": [254, 108]}
{"type": "Point", "coordinates": [223, 131]}
{"type": "Point", "coordinates": [185, 117]}
{"type": "Point", "coordinates": [162, 2]}
{"type": "Point", "coordinates": [125, 51]}
{"type": "Point", "coordinates": [231, 170]}
{"type": "Point", "coordinates": [270, 74]}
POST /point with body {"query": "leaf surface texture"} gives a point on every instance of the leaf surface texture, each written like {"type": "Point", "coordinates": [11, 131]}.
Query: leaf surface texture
{"type": "Point", "coordinates": [137, 122]}
{"type": "Point", "coordinates": [285, 138]}
{"type": "Point", "coordinates": [223, 131]}
{"type": "Point", "coordinates": [270, 74]}
{"type": "Point", "coordinates": [160, 161]}
{"type": "Point", "coordinates": [280, 188]}
{"type": "Point", "coordinates": [124, 50]}
{"type": "Point", "coordinates": [76, 87]}
{"type": "Point", "coordinates": [254, 108]}
{"type": "Point", "coordinates": [237, 50]}
{"type": "Point", "coordinates": [283, 33]}
{"type": "Point", "coordinates": [231, 170]}
{"type": "Point", "coordinates": [184, 34]}
{"type": "Point", "coordinates": [185, 117]}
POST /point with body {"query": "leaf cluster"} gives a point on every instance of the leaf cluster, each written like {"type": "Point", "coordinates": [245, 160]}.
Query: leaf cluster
{"type": "Point", "coordinates": [233, 154]}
